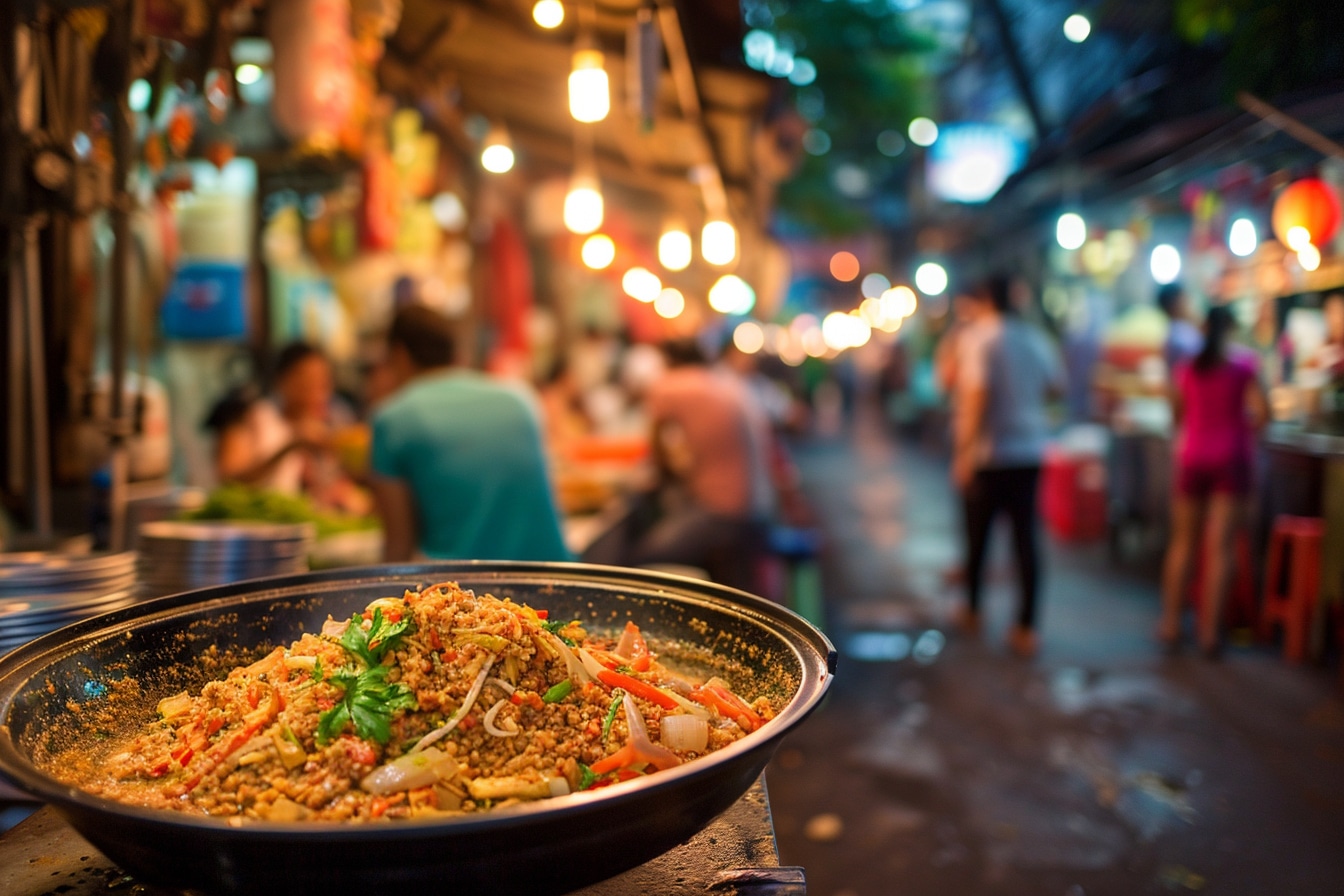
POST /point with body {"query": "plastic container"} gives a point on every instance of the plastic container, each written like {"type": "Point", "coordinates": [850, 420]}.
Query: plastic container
{"type": "Point", "coordinates": [1073, 495]}
{"type": "Point", "coordinates": [208, 300]}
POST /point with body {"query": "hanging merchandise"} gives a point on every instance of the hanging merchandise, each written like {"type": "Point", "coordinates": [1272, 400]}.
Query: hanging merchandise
{"type": "Point", "coordinates": [313, 69]}
{"type": "Point", "coordinates": [1308, 204]}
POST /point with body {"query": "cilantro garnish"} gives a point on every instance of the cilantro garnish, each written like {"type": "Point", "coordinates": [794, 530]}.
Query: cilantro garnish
{"type": "Point", "coordinates": [554, 627]}
{"type": "Point", "coordinates": [369, 701]}
{"type": "Point", "coordinates": [373, 645]}
{"type": "Point", "coordinates": [586, 777]}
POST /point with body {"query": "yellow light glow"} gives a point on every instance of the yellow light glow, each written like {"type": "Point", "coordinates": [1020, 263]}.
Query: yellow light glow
{"type": "Point", "coordinates": [718, 242]}
{"type": "Point", "coordinates": [1298, 237]}
{"type": "Point", "coordinates": [248, 73]}
{"type": "Point", "coordinates": [870, 309]}
{"type": "Point", "coordinates": [598, 251]}
{"type": "Point", "coordinates": [1309, 257]}
{"type": "Point", "coordinates": [791, 350]}
{"type": "Point", "coordinates": [641, 284]}
{"type": "Point", "coordinates": [731, 294]}
{"type": "Point", "coordinates": [904, 300]}
{"type": "Point", "coordinates": [674, 249]}
{"type": "Point", "coordinates": [497, 158]}
{"type": "Point", "coordinates": [589, 92]}
{"type": "Point", "coordinates": [814, 344]}
{"type": "Point", "coordinates": [583, 206]}
{"type": "Point", "coordinates": [670, 303]}
{"type": "Point", "coordinates": [548, 13]}
{"type": "Point", "coordinates": [749, 337]}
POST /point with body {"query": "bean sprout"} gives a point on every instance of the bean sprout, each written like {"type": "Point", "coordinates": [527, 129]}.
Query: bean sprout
{"type": "Point", "coordinates": [462, 710]}
{"type": "Point", "coordinates": [490, 725]}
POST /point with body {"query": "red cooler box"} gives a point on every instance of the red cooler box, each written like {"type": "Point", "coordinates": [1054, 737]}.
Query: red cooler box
{"type": "Point", "coordinates": [1073, 495]}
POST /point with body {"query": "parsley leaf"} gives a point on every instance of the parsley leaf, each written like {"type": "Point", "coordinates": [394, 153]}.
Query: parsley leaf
{"type": "Point", "coordinates": [586, 777]}
{"type": "Point", "coordinates": [555, 625]}
{"type": "Point", "coordinates": [373, 645]}
{"type": "Point", "coordinates": [368, 701]}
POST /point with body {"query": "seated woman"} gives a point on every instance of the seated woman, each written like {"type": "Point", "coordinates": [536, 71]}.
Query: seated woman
{"type": "Point", "coordinates": [283, 443]}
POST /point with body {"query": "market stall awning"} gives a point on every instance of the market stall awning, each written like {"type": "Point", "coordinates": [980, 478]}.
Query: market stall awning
{"type": "Point", "coordinates": [462, 58]}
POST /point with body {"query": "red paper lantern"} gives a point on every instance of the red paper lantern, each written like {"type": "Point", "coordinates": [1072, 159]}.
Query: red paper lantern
{"type": "Point", "coordinates": [1309, 204]}
{"type": "Point", "coordinates": [313, 68]}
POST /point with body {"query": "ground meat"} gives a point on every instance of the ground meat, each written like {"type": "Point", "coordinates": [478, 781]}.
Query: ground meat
{"type": "Point", "coordinates": [295, 734]}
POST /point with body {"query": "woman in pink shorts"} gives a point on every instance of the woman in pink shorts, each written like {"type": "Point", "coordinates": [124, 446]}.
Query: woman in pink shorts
{"type": "Point", "coordinates": [1217, 406]}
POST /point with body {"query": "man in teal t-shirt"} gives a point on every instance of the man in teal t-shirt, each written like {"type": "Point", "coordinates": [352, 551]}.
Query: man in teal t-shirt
{"type": "Point", "coordinates": [459, 470]}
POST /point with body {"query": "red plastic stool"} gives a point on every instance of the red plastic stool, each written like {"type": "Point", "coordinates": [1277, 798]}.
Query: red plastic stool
{"type": "Point", "coordinates": [1301, 537]}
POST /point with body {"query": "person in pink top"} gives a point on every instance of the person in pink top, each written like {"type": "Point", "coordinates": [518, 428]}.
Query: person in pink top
{"type": "Point", "coordinates": [711, 441]}
{"type": "Point", "coordinates": [1218, 404]}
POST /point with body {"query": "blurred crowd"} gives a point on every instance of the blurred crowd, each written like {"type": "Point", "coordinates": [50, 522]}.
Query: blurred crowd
{"type": "Point", "coordinates": [690, 438]}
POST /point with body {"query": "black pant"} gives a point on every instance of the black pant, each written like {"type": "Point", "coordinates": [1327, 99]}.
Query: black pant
{"type": "Point", "coordinates": [1013, 490]}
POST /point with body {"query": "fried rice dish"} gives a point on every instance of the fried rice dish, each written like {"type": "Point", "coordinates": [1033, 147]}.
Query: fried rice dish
{"type": "Point", "coordinates": [437, 702]}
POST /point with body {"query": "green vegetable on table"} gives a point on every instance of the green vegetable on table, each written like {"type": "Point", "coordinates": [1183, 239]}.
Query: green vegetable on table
{"type": "Point", "coordinates": [241, 502]}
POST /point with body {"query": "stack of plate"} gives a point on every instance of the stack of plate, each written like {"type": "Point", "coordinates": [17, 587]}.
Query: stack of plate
{"type": "Point", "coordinates": [42, 591]}
{"type": "Point", "coordinates": [178, 556]}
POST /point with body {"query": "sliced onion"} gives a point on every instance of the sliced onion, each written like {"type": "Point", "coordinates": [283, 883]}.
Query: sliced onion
{"type": "Point", "coordinates": [334, 628]}
{"type": "Point", "coordinates": [462, 710]}
{"type": "Point", "coordinates": [684, 733]}
{"type": "Point", "coordinates": [690, 708]}
{"type": "Point", "coordinates": [590, 663]}
{"type": "Point", "coordinates": [490, 725]}
{"type": "Point", "coordinates": [578, 670]}
{"type": "Point", "coordinates": [410, 771]}
{"type": "Point", "coordinates": [626, 645]}
{"type": "Point", "coordinates": [644, 749]}
{"type": "Point", "coordinates": [559, 786]}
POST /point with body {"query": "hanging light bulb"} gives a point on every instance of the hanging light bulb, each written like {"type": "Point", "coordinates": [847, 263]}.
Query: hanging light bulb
{"type": "Point", "coordinates": [674, 248]}
{"type": "Point", "coordinates": [1242, 239]}
{"type": "Point", "coordinates": [718, 242]}
{"type": "Point", "coordinates": [598, 252]}
{"type": "Point", "coordinates": [497, 152]}
{"type": "Point", "coordinates": [548, 13]}
{"type": "Point", "coordinates": [589, 91]}
{"type": "Point", "coordinates": [641, 284]}
{"type": "Point", "coordinates": [583, 204]}
{"type": "Point", "coordinates": [1165, 263]}
{"type": "Point", "coordinates": [1309, 257]}
{"type": "Point", "coordinates": [670, 303]}
{"type": "Point", "coordinates": [1071, 231]}
{"type": "Point", "coordinates": [731, 294]}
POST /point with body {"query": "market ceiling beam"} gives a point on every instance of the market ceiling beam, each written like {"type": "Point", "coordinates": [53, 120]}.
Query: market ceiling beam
{"type": "Point", "coordinates": [501, 66]}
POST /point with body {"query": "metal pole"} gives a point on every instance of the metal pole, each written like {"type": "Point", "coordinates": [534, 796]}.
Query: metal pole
{"type": "Point", "coordinates": [37, 385]}
{"type": "Point", "coordinates": [1017, 67]}
{"type": "Point", "coordinates": [122, 28]}
{"type": "Point", "coordinates": [1290, 125]}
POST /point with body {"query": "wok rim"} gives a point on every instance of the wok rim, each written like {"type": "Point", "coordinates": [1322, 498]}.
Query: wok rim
{"type": "Point", "coordinates": [816, 656]}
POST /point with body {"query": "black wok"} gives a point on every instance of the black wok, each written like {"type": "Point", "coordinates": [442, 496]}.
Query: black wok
{"type": "Point", "coordinates": [53, 694]}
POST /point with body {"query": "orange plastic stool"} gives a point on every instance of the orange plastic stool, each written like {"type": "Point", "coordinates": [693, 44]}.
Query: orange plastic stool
{"type": "Point", "coordinates": [1301, 537]}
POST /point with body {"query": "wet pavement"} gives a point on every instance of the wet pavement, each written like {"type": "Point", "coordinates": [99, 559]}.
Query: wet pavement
{"type": "Point", "coordinates": [943, 765]}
